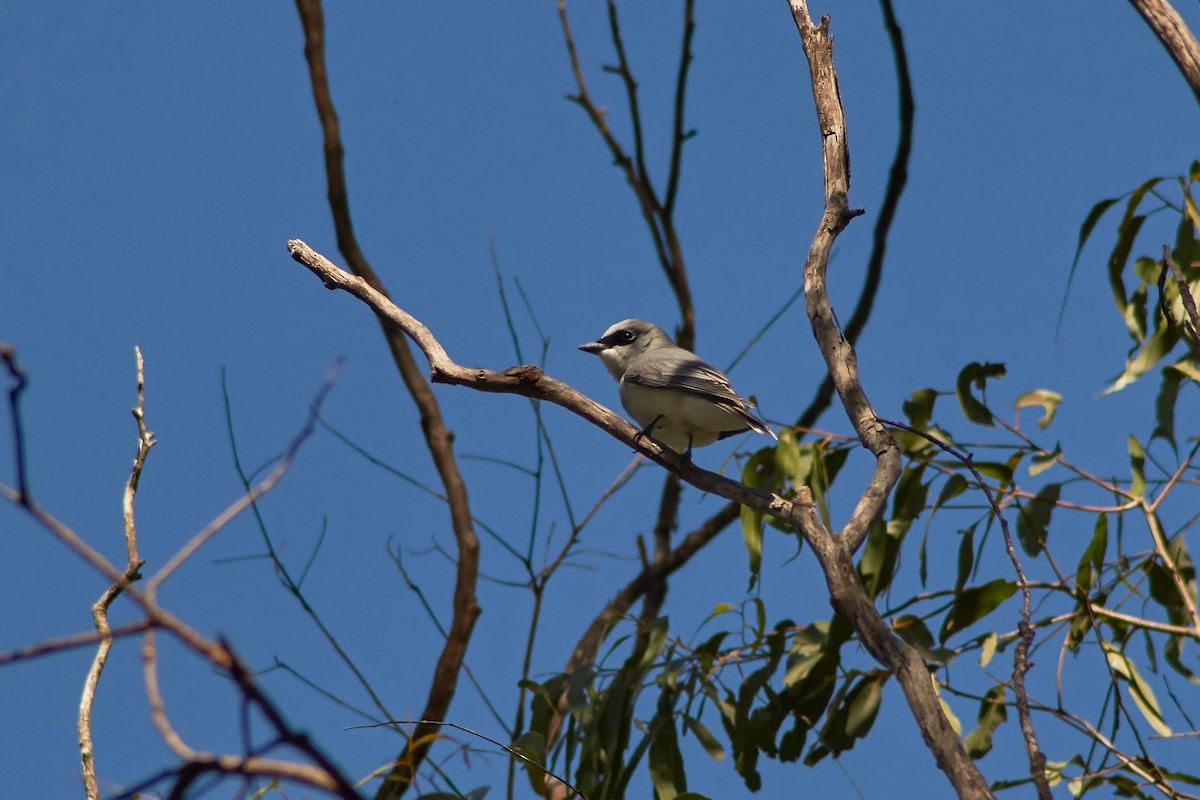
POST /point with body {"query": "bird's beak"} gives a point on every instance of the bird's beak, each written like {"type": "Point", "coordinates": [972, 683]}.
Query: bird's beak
{"type": "Point", "coordinates": [593, 347]}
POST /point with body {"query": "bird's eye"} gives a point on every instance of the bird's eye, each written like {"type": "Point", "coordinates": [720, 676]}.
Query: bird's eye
{"type": "Point", "coordinates": [626, 336]}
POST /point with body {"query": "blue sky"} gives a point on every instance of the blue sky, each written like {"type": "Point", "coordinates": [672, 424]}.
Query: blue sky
{"type": "Point", "coordinates": [160, 155]}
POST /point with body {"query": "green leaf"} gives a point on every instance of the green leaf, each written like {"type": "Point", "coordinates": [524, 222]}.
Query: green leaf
{"type": "Point", "coordinates": [787, 454]}
{"type": "Point", "coordinates": [261, 793]}
{"type": "Point", "coordinates": [532, 745]}
{"type": "Point", "coordinates": [667, 772]}
{"type": "Point", "coordinates": [851, 718]}
{"type": "Point", "coordinates": [922, 559]}
{"type": "Point", "coordinates": [1154, 349]}
{"type": "Point", "coordinates": [1001, 473]}
{"type": "Point", "coordinates": [966, 558]}
{"type": "Point", "coordinates": [972, 605]}
{"type": "Point", "coordinates": [919, 410]}
{"type": "Point", "coordinates": [1046, 399]}
{"type": "Point", "coordinates": [988, 650]}
{"type": "Point", "coordinates": [1085, 230]}
{"type": "Point", "coordinates": [752, 535]}
{"type": "Point", "coordinates": [543, 698]}
{"type": "Point", "coordinates": [1040, 462]}
{"type": "Point", "coordinates": [951, 717]}
{"type": "Point", "coordinates": [1139, 690]}
{"type": "Point", "coordinates": [1188, 368]}
{"type": "Point", "coordinates": [954, 486]}
{"type": "Point", "coordinates": [807, 650]}
{"type": "Point", "coordinates": [1163, 587]}
{"type": "Point", "coordinates": [919, 407]}
{"type": "Point", "coordinates": [1137, 467]}
{"type": "Point", "coordinates": [705, 737]}
{"type": "Point", "coordinates": [1033, 518]}
{"type": "Point", "coordinates": [1164, 404]}
{"type": "Point", "coordinates": [1092, 561]}
{"type": "Point", "coordinates": [976, 374]}
{"type": "Point", "coordinates": [1089, 222]}
{"type": "Point", "coordinates": [1173, 653]}
{"type": "Point", "coordinates": [913, 630]}
{"type": "Point", "coordinates": [1127, 232]}
{"type": "Point", "coordinates": [877, 565]}
{"type": "Point", "coordinates": [1177, 550]}
{"type": "Point", "coordinates": [911, 494]}
{"type": "Point", "coordinates": [992, 713]}
{"type": "Point", "coordinates": [1134, 315]}
{"type": "Point", "coordinates": [863, 705]}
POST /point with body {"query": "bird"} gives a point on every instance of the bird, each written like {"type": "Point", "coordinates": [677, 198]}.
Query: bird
{"type": "Point", "coordinates": [676, 398]}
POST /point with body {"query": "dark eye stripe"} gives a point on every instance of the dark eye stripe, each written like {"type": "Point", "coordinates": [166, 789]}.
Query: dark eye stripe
{"type": "Point", "coordinates": [623, 336]}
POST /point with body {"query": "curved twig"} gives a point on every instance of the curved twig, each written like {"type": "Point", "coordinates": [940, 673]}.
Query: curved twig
{"type": "Point", "coordinates": [100, 608]}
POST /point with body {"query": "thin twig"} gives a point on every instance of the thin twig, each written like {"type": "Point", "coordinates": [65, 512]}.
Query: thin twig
{"type": "Point", "coordinates": [1021, 662]}
{"type": "Point", "coordinates": [678, 134]}
{"type": "Point", "coordinates": [292, 585]}
{"type": "Point", "coordinates": [442, 723]}
{"type": "Point", "coordinates": [8, 355]}
{"type": "Point", "coordinates": [70, 642]}
{"type": "Point", "coordinates": [250, 497]}
{"type": "Point", "coordinates": [100, 608]}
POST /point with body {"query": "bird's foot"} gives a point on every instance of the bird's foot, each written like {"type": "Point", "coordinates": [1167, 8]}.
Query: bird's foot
{"type": "Point", "coordinates": [646, 430]}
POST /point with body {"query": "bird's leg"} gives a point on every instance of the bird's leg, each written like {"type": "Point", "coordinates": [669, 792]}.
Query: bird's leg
{"type": "Point", "coordinates": [687, 454]}
{"type": "Point", "coordinates": [646, 430]}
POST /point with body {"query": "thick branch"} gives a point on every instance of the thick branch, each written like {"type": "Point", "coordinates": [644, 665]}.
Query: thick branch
{"type": "Point", "coordinates": [1173, 32]}
{"type": "Point", "coordinates": [437, 435]}
{"type": "Point", "coordinates": [846, 592]}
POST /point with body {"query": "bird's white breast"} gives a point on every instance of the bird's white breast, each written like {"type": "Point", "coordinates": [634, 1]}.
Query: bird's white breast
{"type": "Point", "coordinates": [683, 417]}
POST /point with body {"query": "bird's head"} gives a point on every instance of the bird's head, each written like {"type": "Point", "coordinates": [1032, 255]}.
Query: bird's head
{"type": "Point", "coordinates": [624, 342]}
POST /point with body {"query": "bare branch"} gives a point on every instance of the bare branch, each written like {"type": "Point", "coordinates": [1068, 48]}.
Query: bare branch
{"type": "Point", "coordinates": [324, 776]}
{"type": "Point", "coordinates": [1173, 32]}
{"type": "Point", "coordinates": [897, 180]}
{"type": "Point", "coordinates": [835, 555]}
{"type": "Point", "coordinates": [437, 435]}
{"type": "Point", "coordinates": [100, 608]}
{"type": "Point", "coordinates": [158, 709]}
{"type": "Point", "coordinates": [70, 642]}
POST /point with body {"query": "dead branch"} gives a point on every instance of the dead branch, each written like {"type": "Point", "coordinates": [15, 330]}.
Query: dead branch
{"type": "Point", "coordinates": [100, 609]}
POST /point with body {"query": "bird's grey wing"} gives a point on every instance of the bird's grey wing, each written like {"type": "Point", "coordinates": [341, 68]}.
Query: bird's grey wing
{"type": "Point", "coordinates": [683, 371]}
{"type": "Point", "coordinates": [679, 369]}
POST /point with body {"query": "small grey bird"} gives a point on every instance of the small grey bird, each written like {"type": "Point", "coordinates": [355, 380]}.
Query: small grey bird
{"type": "Point", "coordinates": [677, 399]}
